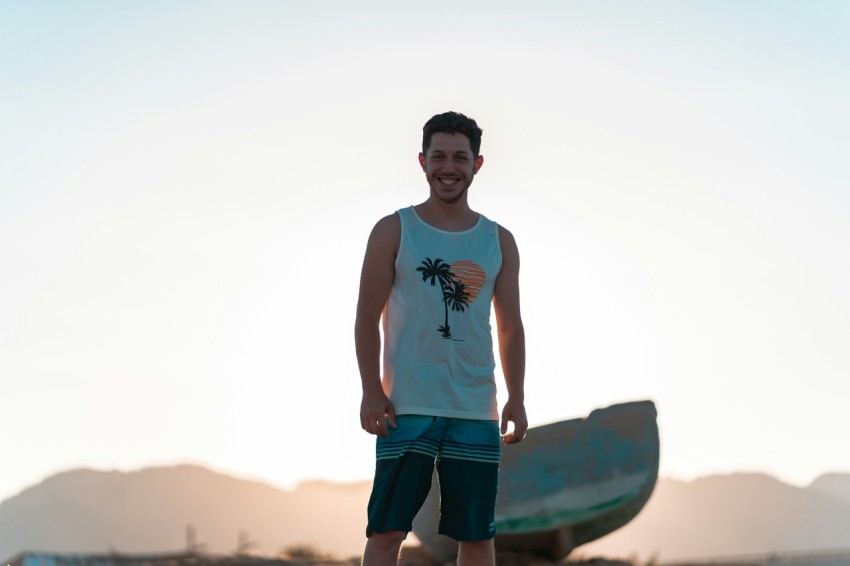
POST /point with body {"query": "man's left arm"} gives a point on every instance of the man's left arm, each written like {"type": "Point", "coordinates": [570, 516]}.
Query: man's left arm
{"type": "Point", "coordinates": [511, 338]}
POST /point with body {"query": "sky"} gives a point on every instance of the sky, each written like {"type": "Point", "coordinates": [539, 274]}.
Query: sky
{"type": "Point", "coordinates": [186, 190]}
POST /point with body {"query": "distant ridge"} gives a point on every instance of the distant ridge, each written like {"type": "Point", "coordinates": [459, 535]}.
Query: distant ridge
{"type": "Point", "coordinates": [735, 514]}
{"type": "Point", "coordinates": [836, 485]}
{"type": "Point", "coordinates": [148, 511]}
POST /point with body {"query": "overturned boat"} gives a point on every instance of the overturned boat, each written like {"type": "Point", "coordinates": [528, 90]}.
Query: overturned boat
{"type": "Point", "coordinates": [566, 484]}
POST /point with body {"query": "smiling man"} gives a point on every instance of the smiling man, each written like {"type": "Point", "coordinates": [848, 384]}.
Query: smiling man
{"type": "Point", "coordinates": [431, 271]}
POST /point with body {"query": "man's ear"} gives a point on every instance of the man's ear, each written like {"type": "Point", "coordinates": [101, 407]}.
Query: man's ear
{"type": "Point", "coordinates": [422, 160]}
{"type": "Point", "coordinates": [479, 161]}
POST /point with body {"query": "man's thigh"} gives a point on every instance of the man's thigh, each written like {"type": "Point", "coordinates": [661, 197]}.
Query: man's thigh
{"type": "Point", "coordinates": [469, 472]}
{"type": "Point", "coordinates": [403, 471]}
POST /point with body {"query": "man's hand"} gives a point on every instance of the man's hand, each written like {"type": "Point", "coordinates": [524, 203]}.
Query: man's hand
{"type": "Point", "coordinates": [375, 410]}
{"type": "Point", "coordinates": [514, 411]}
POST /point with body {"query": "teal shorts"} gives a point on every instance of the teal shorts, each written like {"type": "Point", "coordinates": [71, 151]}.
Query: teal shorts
{"type": "Point", "coordinates": [466, 454]}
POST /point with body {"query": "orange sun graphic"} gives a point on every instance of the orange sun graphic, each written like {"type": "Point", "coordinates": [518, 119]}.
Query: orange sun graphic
{"type": "Point", "coordinates": [470, 274]}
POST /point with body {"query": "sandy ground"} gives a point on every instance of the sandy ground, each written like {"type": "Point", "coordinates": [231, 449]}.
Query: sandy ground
{"type": "Point", "coordinates": [414, 555]}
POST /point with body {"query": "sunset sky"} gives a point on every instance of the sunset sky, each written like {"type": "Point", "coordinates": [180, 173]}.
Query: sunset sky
{"type": "Point", "coordinates": [186, 189]}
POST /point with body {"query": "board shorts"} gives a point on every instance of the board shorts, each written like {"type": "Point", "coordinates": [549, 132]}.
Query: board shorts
{"type": "Point", "coordinates": [466, 455]}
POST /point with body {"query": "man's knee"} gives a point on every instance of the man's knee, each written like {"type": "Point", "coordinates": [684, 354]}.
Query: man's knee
{"type": "Point", "coordinates": [382, 549]}
{"type": "Point", "coordinates": [388, 538]}
{"type": "Point", "coordinates": [476, 553]}
{"type": "Point", "coordinates": [477, 545]}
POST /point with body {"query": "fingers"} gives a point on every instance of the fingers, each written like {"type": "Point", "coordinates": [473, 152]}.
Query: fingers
{"type": "Point", "coordinates": [391, 415]}
{"type": "Point", "coordinates": [369, 423]}
{"type": "Point", "coordinates": [377, 422]}
{"type": "Point", "coordinates": [520, 427]}
{"type": "Point", "coordinates": [374, 425]}
{"type": "Point", "coordinates": [514, 437]}
{"type": "Point", "coordinates": [382, 426]}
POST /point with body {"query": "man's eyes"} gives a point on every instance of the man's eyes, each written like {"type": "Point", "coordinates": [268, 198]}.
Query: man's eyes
{"type": "Point", "coordinates": [460, 157]}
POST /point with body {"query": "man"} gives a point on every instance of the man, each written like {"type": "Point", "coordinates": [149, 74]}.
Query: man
{"type": "Point", "coordinates": [431, 271]}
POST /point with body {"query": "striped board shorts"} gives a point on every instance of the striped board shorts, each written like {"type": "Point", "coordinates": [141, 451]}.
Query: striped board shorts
{"type": "Point", "coordinates": [466, 455]}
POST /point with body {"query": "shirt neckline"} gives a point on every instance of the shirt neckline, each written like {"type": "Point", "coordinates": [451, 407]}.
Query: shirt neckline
{"type": "Point", "coordinates": [449, 232]}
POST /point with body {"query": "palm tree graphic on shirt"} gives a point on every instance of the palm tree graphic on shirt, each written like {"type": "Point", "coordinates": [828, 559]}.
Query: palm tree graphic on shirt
{"type": "Point", "coordinates": [459, 282]}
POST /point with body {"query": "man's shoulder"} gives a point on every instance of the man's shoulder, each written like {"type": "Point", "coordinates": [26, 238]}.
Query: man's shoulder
{"type": "Point", "coordinates": [386, 233]}
{"type": "Point", "coordinates": [389, 224]}
{"type": "Point", "coordinates": [507, 242]}
{"type": "Point", "coordinates": [504, 233]}
{"type": "Point", "coordinates": [391, 218]}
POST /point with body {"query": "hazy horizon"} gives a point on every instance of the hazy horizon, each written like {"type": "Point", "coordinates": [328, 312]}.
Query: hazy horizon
{"type": "Point", "coordinates": [187, 189]}
{"type": "Point", "coordinates": [293, 485]}
{"type": "Point", "coordinates": [148, 512]}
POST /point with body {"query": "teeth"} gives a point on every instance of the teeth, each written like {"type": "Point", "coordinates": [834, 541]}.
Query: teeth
{"type": "Point", "coordinates": [448, 181]}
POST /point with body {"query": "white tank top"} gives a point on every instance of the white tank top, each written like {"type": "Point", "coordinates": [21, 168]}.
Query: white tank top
{"type": "Point", "coordinates": [438, 345]}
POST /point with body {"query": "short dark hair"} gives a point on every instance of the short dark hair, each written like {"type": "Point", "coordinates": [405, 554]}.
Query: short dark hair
{"type": "Point", "coordinates": [452, 123]}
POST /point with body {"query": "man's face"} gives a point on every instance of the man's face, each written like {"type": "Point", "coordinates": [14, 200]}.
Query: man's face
{"type": "Point", "coordinates": [449, 166]}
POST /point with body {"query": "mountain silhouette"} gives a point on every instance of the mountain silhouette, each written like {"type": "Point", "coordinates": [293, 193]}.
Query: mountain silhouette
{"type": "Point", "coordinates": [149, 511]}
{"type": "Point", "coordinates": [734, 514]}
{"type": "Point", "coordinates": [836, 485]}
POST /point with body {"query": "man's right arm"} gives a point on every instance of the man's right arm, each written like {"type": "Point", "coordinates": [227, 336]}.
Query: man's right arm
{"type": "Point", "coordinates": [376, 279]}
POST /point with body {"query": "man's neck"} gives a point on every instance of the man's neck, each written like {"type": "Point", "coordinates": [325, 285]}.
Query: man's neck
{"type": "Point", "coordinates": [452, 217]}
